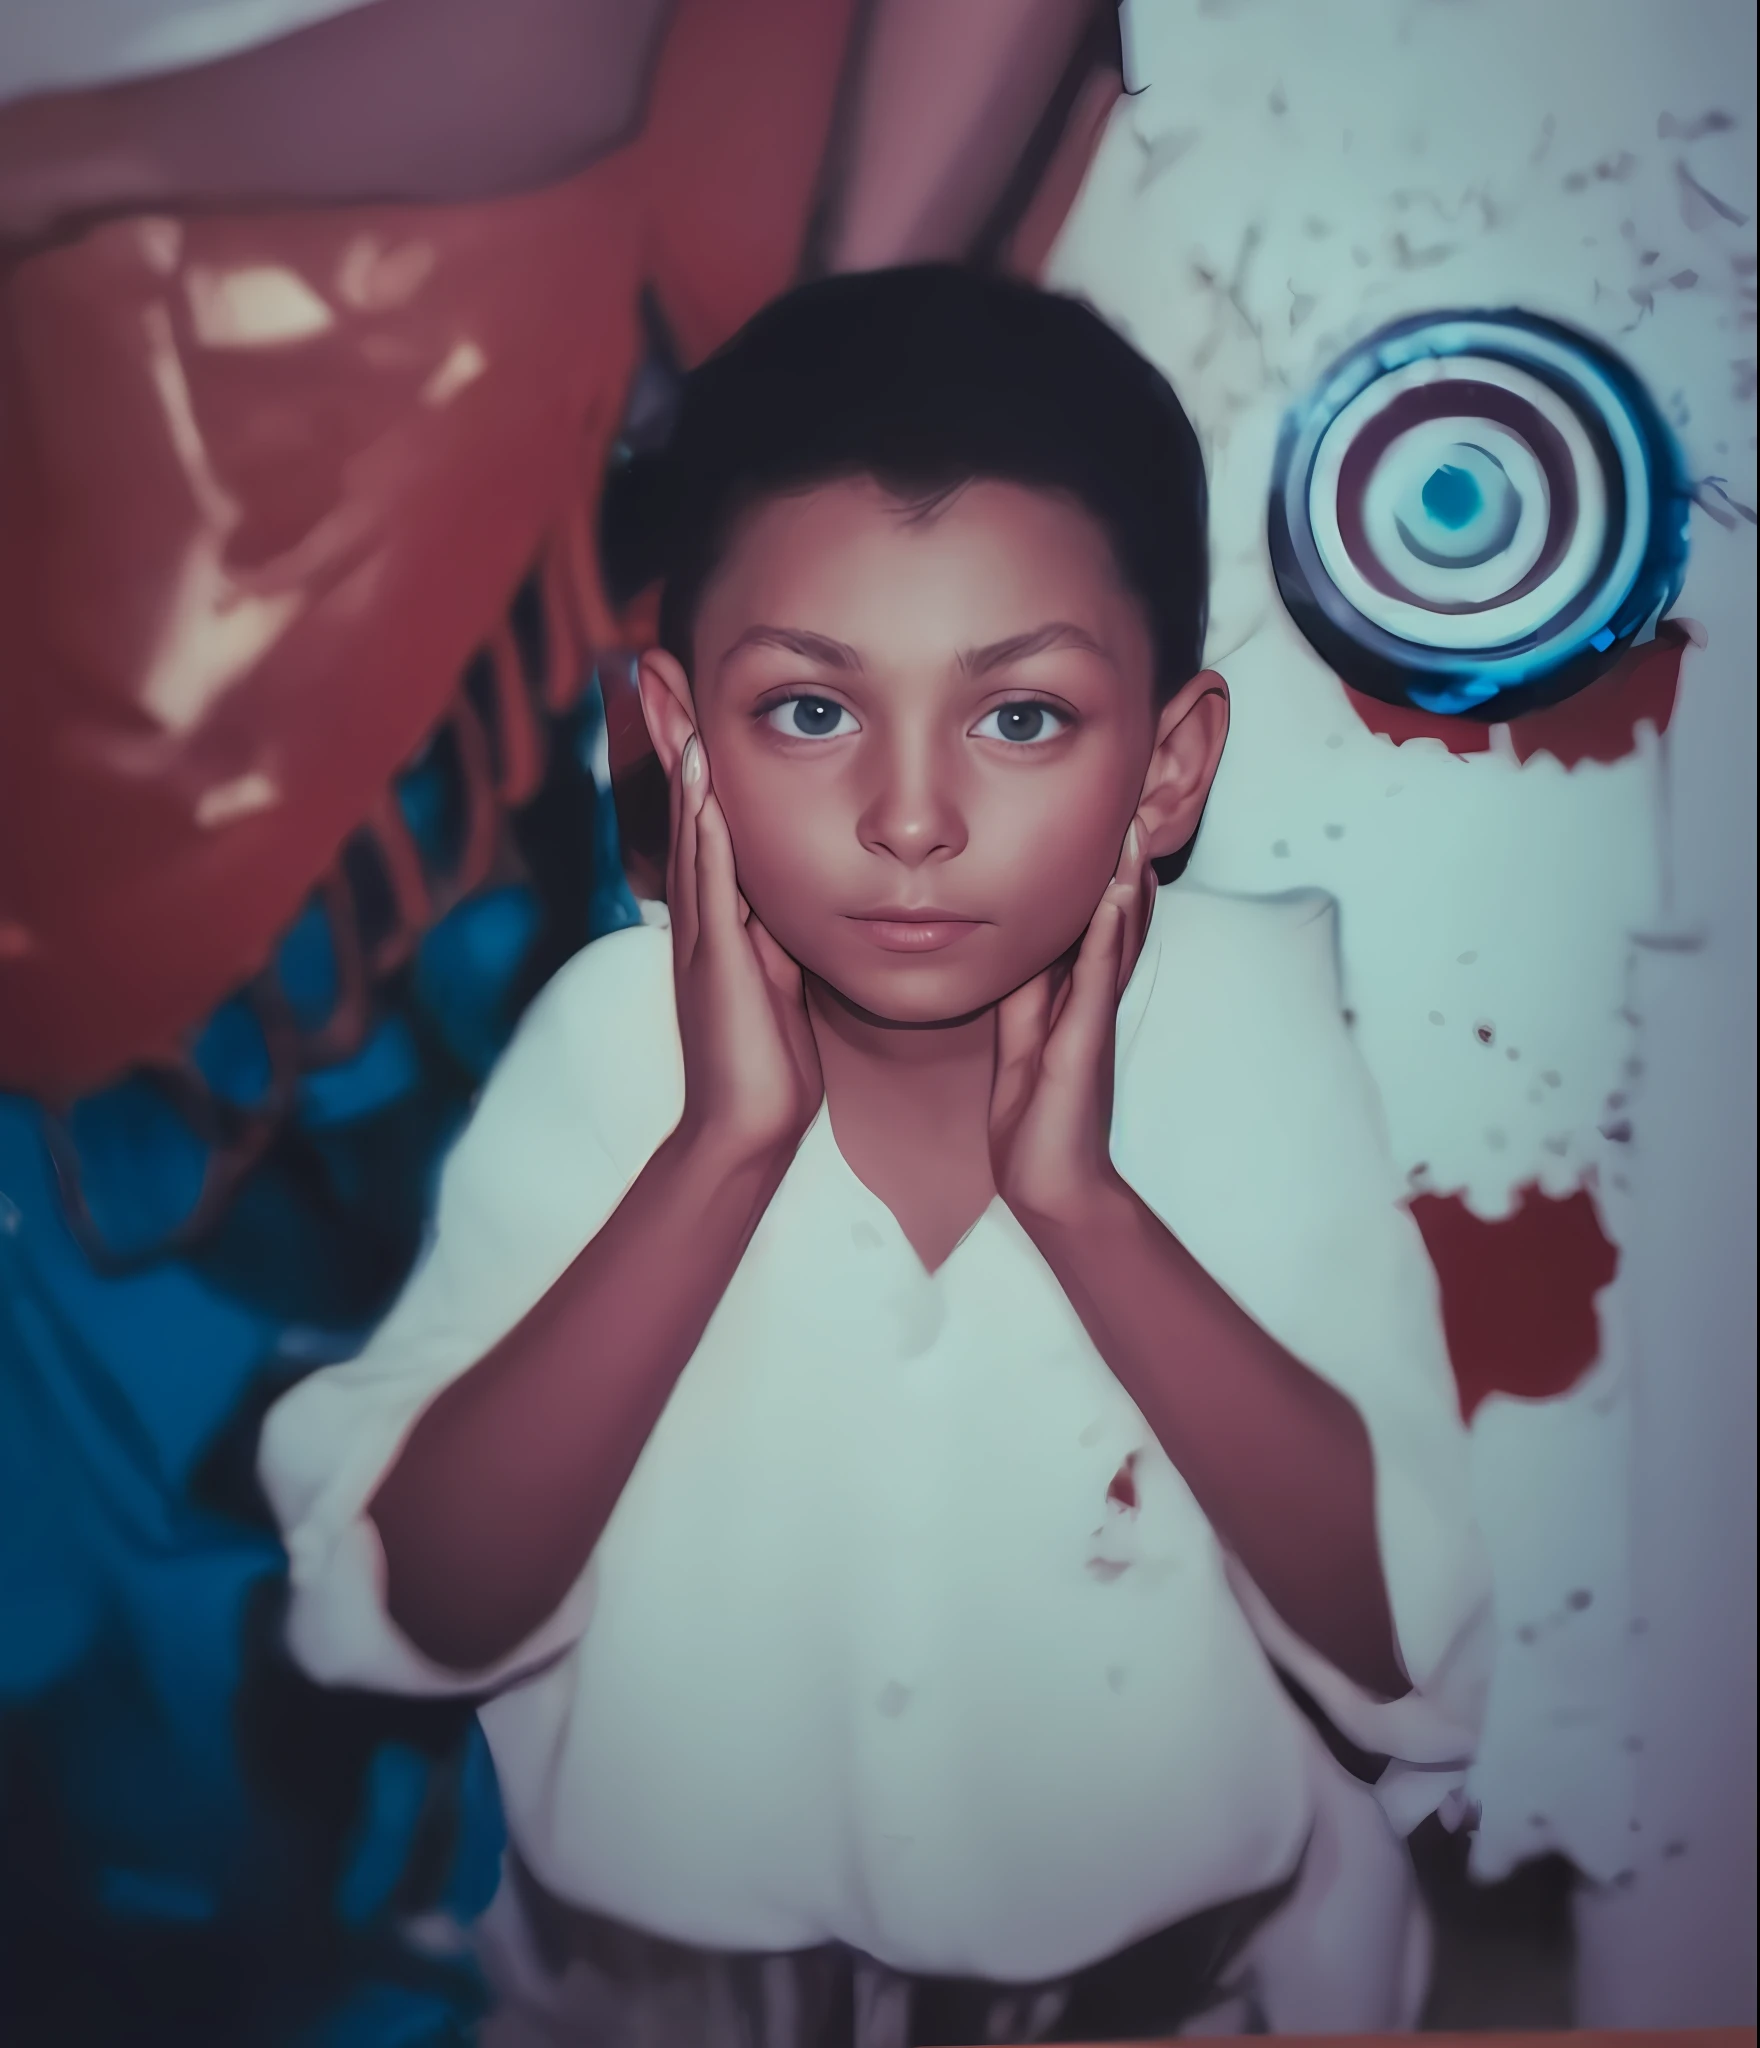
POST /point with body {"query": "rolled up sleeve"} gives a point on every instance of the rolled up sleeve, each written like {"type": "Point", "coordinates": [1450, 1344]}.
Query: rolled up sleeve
{"type": "Point", "coordinates": [1386, 1354]}
{"type": "Point", "coordinates": [567, 1120]}
{"type": "Point", "coordinates": [1286, 1190]}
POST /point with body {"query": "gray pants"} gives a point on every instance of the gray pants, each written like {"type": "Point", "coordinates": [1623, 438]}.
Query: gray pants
{"type": "Point", "coordinates": [564, 1978]}
{"type": "Point", "coordinates": [1342, 1948]}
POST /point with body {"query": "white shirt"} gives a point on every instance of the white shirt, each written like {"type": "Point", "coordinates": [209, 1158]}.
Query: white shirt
{"type": "Point", "coordinates": [864, 1652]}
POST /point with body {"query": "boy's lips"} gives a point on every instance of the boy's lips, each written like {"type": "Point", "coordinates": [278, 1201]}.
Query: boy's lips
{"type": "Point", "coordinates": [900, 929]}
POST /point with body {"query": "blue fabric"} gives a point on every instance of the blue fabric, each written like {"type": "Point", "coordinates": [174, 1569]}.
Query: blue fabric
{"type": "Point", "coordinates": [197, 1845]}
{"type": "Point", "coordinates": [232, 1056]}
{"type": "Point", "coordinates": [133, 1815]}
{"type": "Point", "coordinates": [305, 965]}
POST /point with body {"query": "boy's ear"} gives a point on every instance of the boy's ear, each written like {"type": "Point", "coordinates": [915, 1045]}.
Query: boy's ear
{"type": "Point", "coordinates": [1189, 738]}
{"type": "Point", "coordinates": [667, 710]}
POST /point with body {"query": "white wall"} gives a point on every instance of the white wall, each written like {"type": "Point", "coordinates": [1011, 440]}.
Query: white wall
{"type": "Point", "coordinates": [1287, 179]}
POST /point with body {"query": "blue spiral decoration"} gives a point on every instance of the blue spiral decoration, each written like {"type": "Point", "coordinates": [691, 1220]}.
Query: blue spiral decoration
{"type": "Point", "coordinates": [1474, 514]}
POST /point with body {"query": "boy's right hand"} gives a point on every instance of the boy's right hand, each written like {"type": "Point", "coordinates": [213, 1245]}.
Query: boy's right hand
{"type": "Point", "coordinates": [752, 1083]}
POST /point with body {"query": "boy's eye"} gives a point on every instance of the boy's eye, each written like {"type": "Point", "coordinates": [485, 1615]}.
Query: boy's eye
{"type": "Point", "coordinates": [811, 718]}
{"type": "Point", "coordinates": [1022, 723]}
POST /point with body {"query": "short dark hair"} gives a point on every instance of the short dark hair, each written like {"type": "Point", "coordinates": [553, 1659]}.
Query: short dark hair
{"type": "Point", "coordinates": [926, 379]}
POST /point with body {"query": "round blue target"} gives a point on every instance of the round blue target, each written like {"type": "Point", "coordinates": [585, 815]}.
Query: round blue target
{"type": "Point", "coordinates": [1475, 513]}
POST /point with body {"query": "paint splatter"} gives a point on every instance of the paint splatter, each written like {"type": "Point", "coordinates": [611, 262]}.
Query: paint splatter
{"type": "Point", "coordinates": [1597, 724]}
{"type": "Point", "coordinates": [1400, 723]}
{"type": "Point", "coordinates": [1518, 1294]}
{"type": "Point", "coordinates": [1123, 1490]}
{"type": "Point", "coordinates": [1700, 207]}
{"type": "Point", "coordinates": [1406, 257]}
{"type": "Point", "coordinates": [1711, 497]}
{"type": "Point", "coordinates": [1161, 154]}
{"type": "Point", "coordinates": [1716, 122]}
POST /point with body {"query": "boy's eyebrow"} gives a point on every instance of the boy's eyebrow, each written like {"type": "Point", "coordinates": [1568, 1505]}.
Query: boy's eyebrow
{"type": "Point", "coordinates": [811, 646]}
{"type": "Point", "coordinates": [1058, 633]}
{"type": "Point", "coordinates": [975, 661]}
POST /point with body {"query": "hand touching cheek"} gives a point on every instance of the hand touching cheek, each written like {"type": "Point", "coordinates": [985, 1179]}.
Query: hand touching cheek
{"type": "Point", "coordinates": [752, 1080]}
{"type": "Point", "coordinates": [1051, 1103]}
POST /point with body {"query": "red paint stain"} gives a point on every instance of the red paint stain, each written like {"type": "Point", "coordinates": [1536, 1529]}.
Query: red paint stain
{"type": "Point", "coordinates": [1123, 1490]}
{"type": "Point", "coordinates": [1518, 1294]}
{"type": "Point", "coordinates": [1597, 724]}
{"type": "Point", "coordinates": [1400, 722]}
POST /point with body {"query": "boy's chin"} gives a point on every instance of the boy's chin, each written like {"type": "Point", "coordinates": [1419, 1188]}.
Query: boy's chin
{"type": "Point", "coordinates": [917, 997]}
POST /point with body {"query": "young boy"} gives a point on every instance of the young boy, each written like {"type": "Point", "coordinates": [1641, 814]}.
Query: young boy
{"type": "Point", "coordinates": [908, 1358]}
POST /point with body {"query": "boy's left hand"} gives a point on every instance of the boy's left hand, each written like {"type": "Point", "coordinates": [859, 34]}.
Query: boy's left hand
{"type": "Point", "coordinates": [1051, 1101]}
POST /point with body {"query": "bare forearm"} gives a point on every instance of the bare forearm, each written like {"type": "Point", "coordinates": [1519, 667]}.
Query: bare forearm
{"type": "Point", "coordinates": [1278, 1460]}
{"type": "Point", "coordinates": [947, 99]}
{"type": "Point", "coordinates": [491, 1511]}
{"type": "Point", "coordinates": [399, 100]}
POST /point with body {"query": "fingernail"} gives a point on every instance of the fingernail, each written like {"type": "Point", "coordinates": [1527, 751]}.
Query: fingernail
{"type": "Point", "coordinates": [693, 765]}
{"type": "Point", "coordinates": [1130, 843]}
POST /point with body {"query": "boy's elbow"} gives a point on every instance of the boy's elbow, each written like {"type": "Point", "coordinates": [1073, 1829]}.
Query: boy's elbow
{"type": "Point", "coordinates": [440, 1604]}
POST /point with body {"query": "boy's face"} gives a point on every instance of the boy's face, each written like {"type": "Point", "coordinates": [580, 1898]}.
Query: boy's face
{"type": "Point", "coordinates": [930, 735]}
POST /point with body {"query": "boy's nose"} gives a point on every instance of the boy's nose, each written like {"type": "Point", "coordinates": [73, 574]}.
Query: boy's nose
{"type": "Point", "coordinates": [912, 812]}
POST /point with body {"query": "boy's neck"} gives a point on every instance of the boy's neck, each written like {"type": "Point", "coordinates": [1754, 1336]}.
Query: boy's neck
{"type": "Point", "coordinates": [910, 1109]}
{"type": "Point", "coordinates": [939, 1067]}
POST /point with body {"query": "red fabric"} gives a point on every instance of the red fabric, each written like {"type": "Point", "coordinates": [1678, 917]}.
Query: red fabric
{"type": "Point", "coordinates": [238, 582]}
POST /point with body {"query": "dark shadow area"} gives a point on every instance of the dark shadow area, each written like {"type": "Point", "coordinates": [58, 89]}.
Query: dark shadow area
{"type": "Point", "coordinates": [1505, 1953]}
